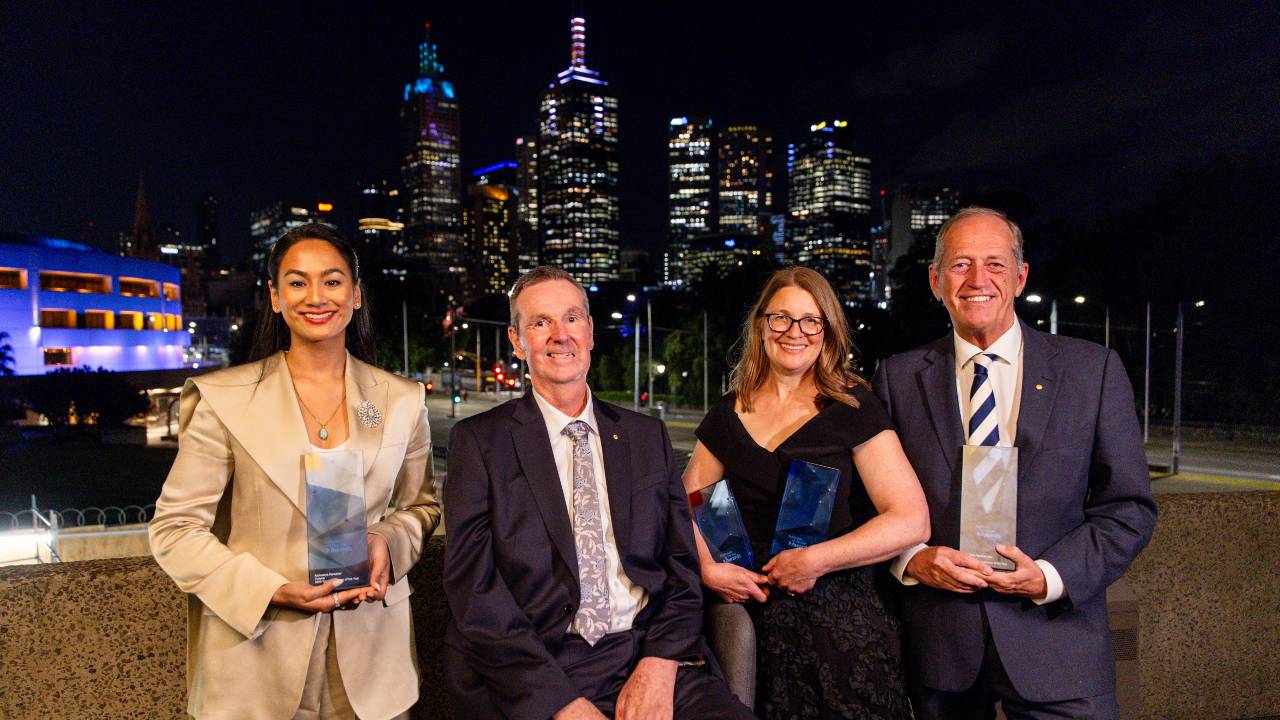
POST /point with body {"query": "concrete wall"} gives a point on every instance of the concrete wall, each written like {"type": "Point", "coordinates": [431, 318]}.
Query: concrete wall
{"type": "Point", "coordinates": [104, 639]}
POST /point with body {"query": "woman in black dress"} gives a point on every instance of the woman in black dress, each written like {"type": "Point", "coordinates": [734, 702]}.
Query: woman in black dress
{"type": "Point", "coordinates": [828, 643]}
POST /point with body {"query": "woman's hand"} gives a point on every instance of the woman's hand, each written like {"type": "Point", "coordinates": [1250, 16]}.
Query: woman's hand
{"type": "Point", "coordinates": [735, 584]}
{"type": "Point", "coordinates": [302, 595]}
{"type": "Point", "coordinates": [379, 568]}
{"type": "Point", "coordinates": [795, 570]}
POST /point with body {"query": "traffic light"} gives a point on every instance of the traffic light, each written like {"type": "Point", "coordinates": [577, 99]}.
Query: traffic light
{"type": "Point", "coordinates": [457, 396]}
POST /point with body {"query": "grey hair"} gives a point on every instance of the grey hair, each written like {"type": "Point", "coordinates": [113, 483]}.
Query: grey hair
{"type": "Point", "coordinates": [940, 245]}
{"type": "Point", "coordinates": [541, 274]}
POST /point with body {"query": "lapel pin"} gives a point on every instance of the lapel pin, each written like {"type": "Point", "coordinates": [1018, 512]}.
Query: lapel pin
{"type": "Point", "coordinates": [1039, 386]}
{"type": "Point", "coordinates": [369, 414]}
{"type": "Point", "coordinates": [615, 436]}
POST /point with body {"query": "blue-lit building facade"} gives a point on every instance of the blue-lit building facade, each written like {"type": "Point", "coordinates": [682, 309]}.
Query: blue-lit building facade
{"type": "Point", "coordinates": [578, 170]}
{"type": "Point", "coordinates": [828, 223]}
{"type": "Point", "coordinates": [431, 165]}
{"type": "Point", "coordinates": [64, 304]}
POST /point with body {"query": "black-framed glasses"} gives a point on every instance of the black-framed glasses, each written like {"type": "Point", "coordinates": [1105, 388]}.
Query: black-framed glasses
{"type": "Point", "coordinates": [781, 323]}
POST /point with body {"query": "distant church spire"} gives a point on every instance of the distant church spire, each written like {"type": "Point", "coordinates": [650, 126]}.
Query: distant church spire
{"type": "Point", "coordinates": [143, 238]}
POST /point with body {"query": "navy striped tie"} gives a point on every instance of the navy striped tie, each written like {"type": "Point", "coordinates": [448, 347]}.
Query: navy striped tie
{"type": "Point", "coordinates": [984, 429]}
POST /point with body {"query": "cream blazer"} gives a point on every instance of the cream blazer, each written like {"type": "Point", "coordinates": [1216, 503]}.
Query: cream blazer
{"type": "Point", "coordinates": [230, 528]}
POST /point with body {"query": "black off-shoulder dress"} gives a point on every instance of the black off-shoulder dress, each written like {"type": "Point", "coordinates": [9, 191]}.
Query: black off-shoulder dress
{"type": "Point", "coordinates": [835, 651]}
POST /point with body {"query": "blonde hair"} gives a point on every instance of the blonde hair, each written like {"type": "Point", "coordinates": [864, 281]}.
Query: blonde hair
{"type": "Point", "coordinates": [832, 373]}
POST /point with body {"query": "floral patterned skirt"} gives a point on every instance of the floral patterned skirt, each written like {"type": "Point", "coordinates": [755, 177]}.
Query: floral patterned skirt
{"type": "Point", "coordinates": [833, 652]}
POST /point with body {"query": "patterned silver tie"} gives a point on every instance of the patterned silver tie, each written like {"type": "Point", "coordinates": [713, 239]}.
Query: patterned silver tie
{"type": "Point", "coordinates": [592, 620]}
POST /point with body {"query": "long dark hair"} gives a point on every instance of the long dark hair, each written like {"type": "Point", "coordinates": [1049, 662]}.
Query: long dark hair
{"type": "Point", "coordinates": [271, 335]}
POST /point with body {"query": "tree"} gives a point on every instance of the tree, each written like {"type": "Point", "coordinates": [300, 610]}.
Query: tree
{"type": "Point", "coordinates": [92, 396]}
{"type": "Point", "coordinates": [6, 355]}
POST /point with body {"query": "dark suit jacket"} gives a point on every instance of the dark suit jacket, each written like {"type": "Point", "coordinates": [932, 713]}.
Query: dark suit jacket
{"type": "Point", "coordinates": [511, 572]}
{"type": "Point", "coordinates": [1084, 505]}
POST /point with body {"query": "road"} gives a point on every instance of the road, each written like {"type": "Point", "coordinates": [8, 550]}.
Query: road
{"type": "Point", "coordinates": [1206, 465]}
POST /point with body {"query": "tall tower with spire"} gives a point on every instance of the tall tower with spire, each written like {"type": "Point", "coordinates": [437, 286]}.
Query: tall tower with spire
{"type": "Point", "coordinates": [578, 169]}
{"type": "Point", "coordinates": [431, 165]}
{"type": "Point", "coordinates": [142, 239]}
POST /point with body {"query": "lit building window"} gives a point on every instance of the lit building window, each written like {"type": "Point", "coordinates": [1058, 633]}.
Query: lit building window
{"type": "Point", "coordinates": [172, 322]}
{"type": "Point", "coordinates": [171, 292]}
{"type": "Point", "coordinates": [57, 318]}
{"type": "Point", "coordinates": [136, 287]}
{"type": "Point", "coordinates": [155, 321]}
{"type": "Point", "coordinates": [99, 319]}
{"type": "Point", "coordinates": [57, 356]}
{"type": "Point", "coordinates": [13, 279]}
{"type": "Point", "coordinates": [74, 282]}
{"type": "Point", "coordinates": [129, 320]}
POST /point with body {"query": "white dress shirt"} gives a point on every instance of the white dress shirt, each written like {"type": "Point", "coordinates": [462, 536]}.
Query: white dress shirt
{"type": "Point", "coordinates": [626, 598]}
{"type": "Point", "coordinates": [1005, 376]}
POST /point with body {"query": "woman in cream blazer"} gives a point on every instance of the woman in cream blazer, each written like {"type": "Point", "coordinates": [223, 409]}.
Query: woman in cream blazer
{"type": "Point", "coordinates": [230, 525]}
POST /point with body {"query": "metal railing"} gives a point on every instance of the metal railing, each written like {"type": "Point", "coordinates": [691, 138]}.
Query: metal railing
{"type": "Point", "coordinates": [43, 528]}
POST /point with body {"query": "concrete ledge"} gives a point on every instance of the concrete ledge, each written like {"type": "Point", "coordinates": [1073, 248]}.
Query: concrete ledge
{"type": "Point", "coordinates": [1209, 601]}
{"type": "Point", "coordinates": [105, 639]}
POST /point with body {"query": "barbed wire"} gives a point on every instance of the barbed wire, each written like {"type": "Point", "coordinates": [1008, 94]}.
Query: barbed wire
{"type": "Point", "coordinates": [77, 517]}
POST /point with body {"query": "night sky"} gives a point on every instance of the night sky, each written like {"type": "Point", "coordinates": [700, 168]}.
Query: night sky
{"type": "Point", "coordinates": [1081, 110]}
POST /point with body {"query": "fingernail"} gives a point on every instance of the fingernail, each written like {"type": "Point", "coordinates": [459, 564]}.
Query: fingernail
{"type": "Point", "coordinates": [337, 582]}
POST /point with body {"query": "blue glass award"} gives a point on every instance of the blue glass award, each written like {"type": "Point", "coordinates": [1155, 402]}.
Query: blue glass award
{"type": "Point", "coordinates": [805, 516]}
{"type": "Point", "coordinates": [716, 513]}
{"type": "Point", "coordinates": [337, 538]}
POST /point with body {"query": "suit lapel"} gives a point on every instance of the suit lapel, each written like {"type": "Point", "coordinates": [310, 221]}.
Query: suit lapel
{"type": "Point", "coordinates": [616, 446]}
{"type": "Point", "coordinates": [363, 387]}
{"type": "Point", "coordinates": [264, 418]}
{"type": "Point", "coordinates": [1041, 373]}
{"type": "Point", "coordinates": [938, 384]}
{"type": "Point", "coordinates": [533, 449]}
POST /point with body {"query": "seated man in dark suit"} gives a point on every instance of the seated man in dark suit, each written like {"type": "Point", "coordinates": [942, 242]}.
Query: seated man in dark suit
{"type": "Point", "coordinates": [570, 566]}
{"type": "Point", "coordinates": [1034, 639]}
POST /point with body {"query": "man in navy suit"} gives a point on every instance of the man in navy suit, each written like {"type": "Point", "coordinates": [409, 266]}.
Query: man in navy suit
{"type": "Point", "coordinates": [570, 565]}
{"type": "Point", "coordinates": [1034, 639]}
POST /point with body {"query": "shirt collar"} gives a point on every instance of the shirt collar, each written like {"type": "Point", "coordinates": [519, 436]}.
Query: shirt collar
{"type": "Point", "coordinates": [1008, 346]}
{"type": "Point", "coordinates": [557, 421]}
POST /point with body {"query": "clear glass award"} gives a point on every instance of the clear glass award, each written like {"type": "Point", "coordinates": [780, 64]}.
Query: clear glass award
{"type": "Point", "coordinates": [716, 512]}
{"type": "Point", "coordinates": [989, 503]}
{"type": "Point", "coordinates": [337, 544]}
{"type": "Point", "coordinates": [805, 516]}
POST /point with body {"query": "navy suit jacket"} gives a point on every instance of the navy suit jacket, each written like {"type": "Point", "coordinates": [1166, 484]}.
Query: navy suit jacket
{"type": "Point", "coordinates": [1084, 505]}
{"type": "Point", "coordinates": [511, 570]}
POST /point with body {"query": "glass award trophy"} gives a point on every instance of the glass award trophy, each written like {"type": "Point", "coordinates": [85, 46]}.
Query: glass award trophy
{"type": "Point", "coordinates": [337, 538]}
{"type": "Point", "coordinates": [805, 516]}
{"type": "Point", "coordinates": [989, 503]}
{"type": "Point", "coordinates": [716, 513]}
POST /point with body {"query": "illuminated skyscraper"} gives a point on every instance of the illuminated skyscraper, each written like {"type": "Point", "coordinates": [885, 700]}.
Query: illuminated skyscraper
{"type": "Point", "coordinates": [918, 214]}
{"type": "Point", "coordinates": [691, 191]}
{"type": "Point", "coordinates": [829, 210]}
{"type": "Point", "coordinates": [492, 225]}
{"type": "Point", "coordinates": [578, 170]}
{"type": "Point", "coordinates": [529, 249]}
{"type": "Point", "coordinates": [269, 224]}
{"type": "Point", "coordinates": [431, 165]}
{"type": "Point", "coordinates": [745, 180]}
{"type": "Point", "coordinates": [378, 226]}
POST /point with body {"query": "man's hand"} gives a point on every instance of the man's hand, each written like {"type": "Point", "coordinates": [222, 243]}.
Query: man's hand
{"type": "Point", "coordinates": [1026, 580]}
{"type": "Point", "coordinates": [735, 584]}
{"type": "Point", "coordinates": [949, 569]}
{"type": "Point", "coordinates": [580, 709]}
{"type": "Point", "coordinates": [650, 691]}
{"type": "Point", "coordinates": [793, 570]}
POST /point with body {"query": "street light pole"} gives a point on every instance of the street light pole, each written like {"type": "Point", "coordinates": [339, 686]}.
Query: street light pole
{"type": "Point", "coordinates": [635, 385]}
{"type": "Point", "coordinates": [1146, 384]}
{"type": "Point", "coordinates": [705, 369]}
{"type": "Point", "coordinates": [1053, 317]}
{"type": "Point", "coordinates": [453, 369]}
{"type": "Point", "coordinates": [648, 309]}
{"type": "Point", "coordinates": [404, 311]}
{"type": "Point", "coordinates": [1177, 395]}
